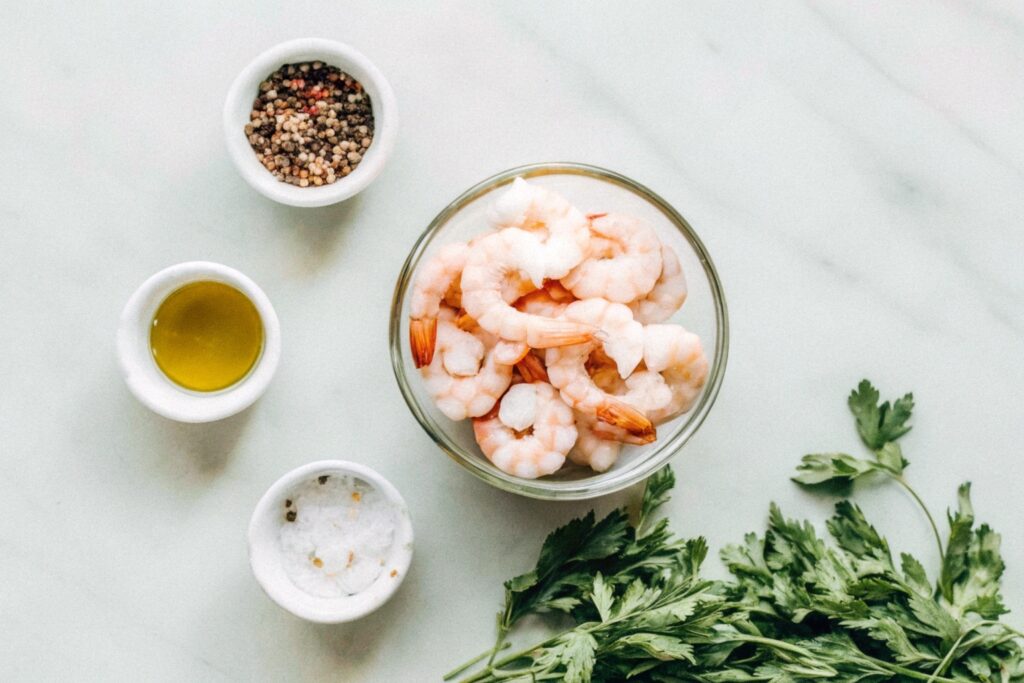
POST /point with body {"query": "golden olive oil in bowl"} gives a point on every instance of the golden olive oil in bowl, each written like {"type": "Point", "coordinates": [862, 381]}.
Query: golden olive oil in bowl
{"type": "Point", "coordinates": [206, 336]}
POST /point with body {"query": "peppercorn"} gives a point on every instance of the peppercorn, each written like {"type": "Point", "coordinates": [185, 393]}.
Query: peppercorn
{"type": "Point", "coordinates": [311, 124]}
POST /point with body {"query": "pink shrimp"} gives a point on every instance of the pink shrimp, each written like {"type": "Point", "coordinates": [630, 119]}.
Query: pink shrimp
{"type": "Point", "coordinates": [432, 284]}
{"type": "Point", "coordinates": [622, 263]}
{"type": "Point", "coordinates": [568, 372]}
{"type": "Point", "coordinates": [668, 294]}
{"type": "Point", "coordinates": [550, 300]}
{"type": "Point", "coordinates": [678, 356]}
{"type": "Point", "coordinates": [562, 230]}
{"type": "Point", "coordinates": [591, 450]}
{"type": "Point", "coordinates": [491, 261]}
{"type": "Point", "coordinates": [539, 440]}
{"type": "Point", "coordinates": [463, 377]}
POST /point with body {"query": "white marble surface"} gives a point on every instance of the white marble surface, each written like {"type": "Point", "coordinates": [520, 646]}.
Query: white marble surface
{"type": "Point", "coordinates": [856, 169]}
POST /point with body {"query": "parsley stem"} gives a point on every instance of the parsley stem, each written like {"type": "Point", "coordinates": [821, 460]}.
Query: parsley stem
{"type": "Point", "coordinates": [910, 673]}
{"type": "Point", "coordinates": [476, 660]}
{"type": "Point", "coordinates": [952, 650]}
{"type": "Point", "coordinates": [931, 520]}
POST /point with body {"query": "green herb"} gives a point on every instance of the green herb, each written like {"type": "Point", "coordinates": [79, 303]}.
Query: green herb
{"type": "Point", "coordinates": [799, 607]}
{"type": "Point", "coordinates": [879, 425]}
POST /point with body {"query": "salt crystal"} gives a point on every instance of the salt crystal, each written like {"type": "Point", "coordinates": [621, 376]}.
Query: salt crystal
{"type": "Point", "coordinates": [341, 537]}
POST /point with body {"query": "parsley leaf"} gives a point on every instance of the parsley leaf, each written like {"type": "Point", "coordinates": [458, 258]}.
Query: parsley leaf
{"type": "Point", "coordinates": [656, 493]}
{"type": "Point", "coordinates": [821, 468]}
{"type": "Point", "coordinates": [890, 457]}
{"type": "Point", "coordinates": [800, 606]}
{"type": "Point", "coordinates": [879, 424]}
{"type": "Point", "coordinates": [578, 655]}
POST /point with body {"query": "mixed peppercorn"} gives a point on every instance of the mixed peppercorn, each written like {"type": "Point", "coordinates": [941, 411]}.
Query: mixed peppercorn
{"type": "Point", "coordinates": [310, 124]}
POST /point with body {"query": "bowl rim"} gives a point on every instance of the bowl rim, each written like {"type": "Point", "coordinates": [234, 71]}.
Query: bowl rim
{"type": "Point", "coordinates": [346, 58]}
{"type": "Point", "coordinates": [289, 596]}
{"type": "Point", "coordinates": [148, 383]}
{"type": "Point", "coordinates": [583, 488]}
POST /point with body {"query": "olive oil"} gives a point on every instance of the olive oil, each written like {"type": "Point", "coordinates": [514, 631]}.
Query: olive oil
{"type": "Point", "coordinates": [206, 336]}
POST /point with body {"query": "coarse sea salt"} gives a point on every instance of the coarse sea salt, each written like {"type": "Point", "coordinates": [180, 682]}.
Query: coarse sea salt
{"type": "Point", "coordinates": [336, 535]}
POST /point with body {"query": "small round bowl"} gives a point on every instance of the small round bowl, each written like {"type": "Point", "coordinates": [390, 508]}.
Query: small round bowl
{"type": "Point", "coordinates": [245, 88]}
{"type": "Point", "coordinates": [265, 548]}
{"type": "Point", "coordinates": [152, 387]}
{"type": "Point", "coordinates": [592, 190]}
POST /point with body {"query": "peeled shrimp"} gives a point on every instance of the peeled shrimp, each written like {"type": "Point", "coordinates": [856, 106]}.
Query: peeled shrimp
{"type": "Point", "coordinates": [591, 450]}
{"type": "Point", "coordinates": [622, 338]}
{"type": "Point", "coordinates": [562, 229]}
{"type": "Point", "coordinates": [539, 446]}
{"type": "Point", "coordinates": [439, 282]}
{"type": "Point", "coordinates": [599, 443]}
{"type": "Point", "coordinates": [623, 261]}
{"type": "Point", "coordinates": [668, 294]}
{"type": "Point", "coordinates": [433, 282]}
{"type": "Point", "coordinates": [644, 390]}
{"type": "Point", "coordinates": [531, 368]}
{"type": "Point", "coordinates": [550, 300]}
{"type": "Point", "coordinates": [491, 261]}
{"type": "Point", "coordinates": [459, 390]}
{"type": "Point", "coordinates": [567, 369]}
{"type": "Point", "coordinates": [505, 352]}
{"type": "Point", "coordinates": [678, 356]}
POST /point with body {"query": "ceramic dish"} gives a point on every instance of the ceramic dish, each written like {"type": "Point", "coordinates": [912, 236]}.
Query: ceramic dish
{"type": "Point", "coordinates": [592, 190]}
{"type": "Point", "coordinates": [265, 548]}
{"type": "Point", "coordinates": [152, 387]}
{"type": "Point", "coordinates": [239, 104]}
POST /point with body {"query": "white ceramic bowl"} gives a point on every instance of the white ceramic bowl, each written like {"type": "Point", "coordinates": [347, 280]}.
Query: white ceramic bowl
{"type": "Point", "coordinates": [265, 548]}
{"type": "Point", "coordinates": [148, 382]}
{"type": "Point", "coordinates": [245, 88]}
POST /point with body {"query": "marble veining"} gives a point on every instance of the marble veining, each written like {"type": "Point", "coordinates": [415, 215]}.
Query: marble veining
{"type": "Point", "coordinates": [855, 169]}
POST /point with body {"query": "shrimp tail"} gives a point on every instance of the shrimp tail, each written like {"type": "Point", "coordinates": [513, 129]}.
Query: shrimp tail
{"type": "Point", "coordinates": [532, 369]}
{"type": "Point", "coordinates": [629, 418]}
{"type": "Point", "coordinates": [606, 432]}
{"type": "Point", "coordinates": [549, 333]}
{"type": "Point", "coordinates": [465, 321]}
{"type": "Point", "coordinates": [422, 337]}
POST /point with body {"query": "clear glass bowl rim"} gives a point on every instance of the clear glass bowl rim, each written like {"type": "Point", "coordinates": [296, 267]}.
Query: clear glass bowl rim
{"type": "Point", "coordinates": [664, 448]}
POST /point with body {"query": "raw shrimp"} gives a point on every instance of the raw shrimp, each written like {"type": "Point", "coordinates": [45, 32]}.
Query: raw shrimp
{"type": "Point", "coordinates": [568, 370]}
{"type": "Point", "coordinates": [538, 448]}
{"type": "Point", "coordinates": [678, 356]}
{"type": "Point", "coordinates": [622, 263]}
{"type": "Point", "coordinates": [591, 450]}
{"type": "Point", "coordinates": [433, 281]}
{"type": "Point", "coordinates": [561, 228]}
{"type": "Point", "coordinates": [669, 291]}
{"type": "Point", "coordinates": [468, 392]}
{"type": "Point", "coordinates": [491, 261]}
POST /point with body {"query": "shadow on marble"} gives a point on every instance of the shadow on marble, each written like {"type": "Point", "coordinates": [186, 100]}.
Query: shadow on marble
{"type": "Point", "coordinates": [318, 232]}
{"type": "Point", "coordinates": [204, 449]}
{"type": "Point", "coordinates": [352, 644]}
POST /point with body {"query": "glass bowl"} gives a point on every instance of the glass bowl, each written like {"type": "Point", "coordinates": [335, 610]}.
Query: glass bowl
{"type": "Point", "coordinates": [591, 189]}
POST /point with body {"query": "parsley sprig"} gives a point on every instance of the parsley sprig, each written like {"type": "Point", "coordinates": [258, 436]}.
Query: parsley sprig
{"type": "Point", "coordinates": [879, 426]}
{"type": "Point", "coordinates": [799, 606]}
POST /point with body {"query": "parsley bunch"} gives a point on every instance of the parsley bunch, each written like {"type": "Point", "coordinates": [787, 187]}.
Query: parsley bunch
{"type": "Point", "coordinates": [798, 607]}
